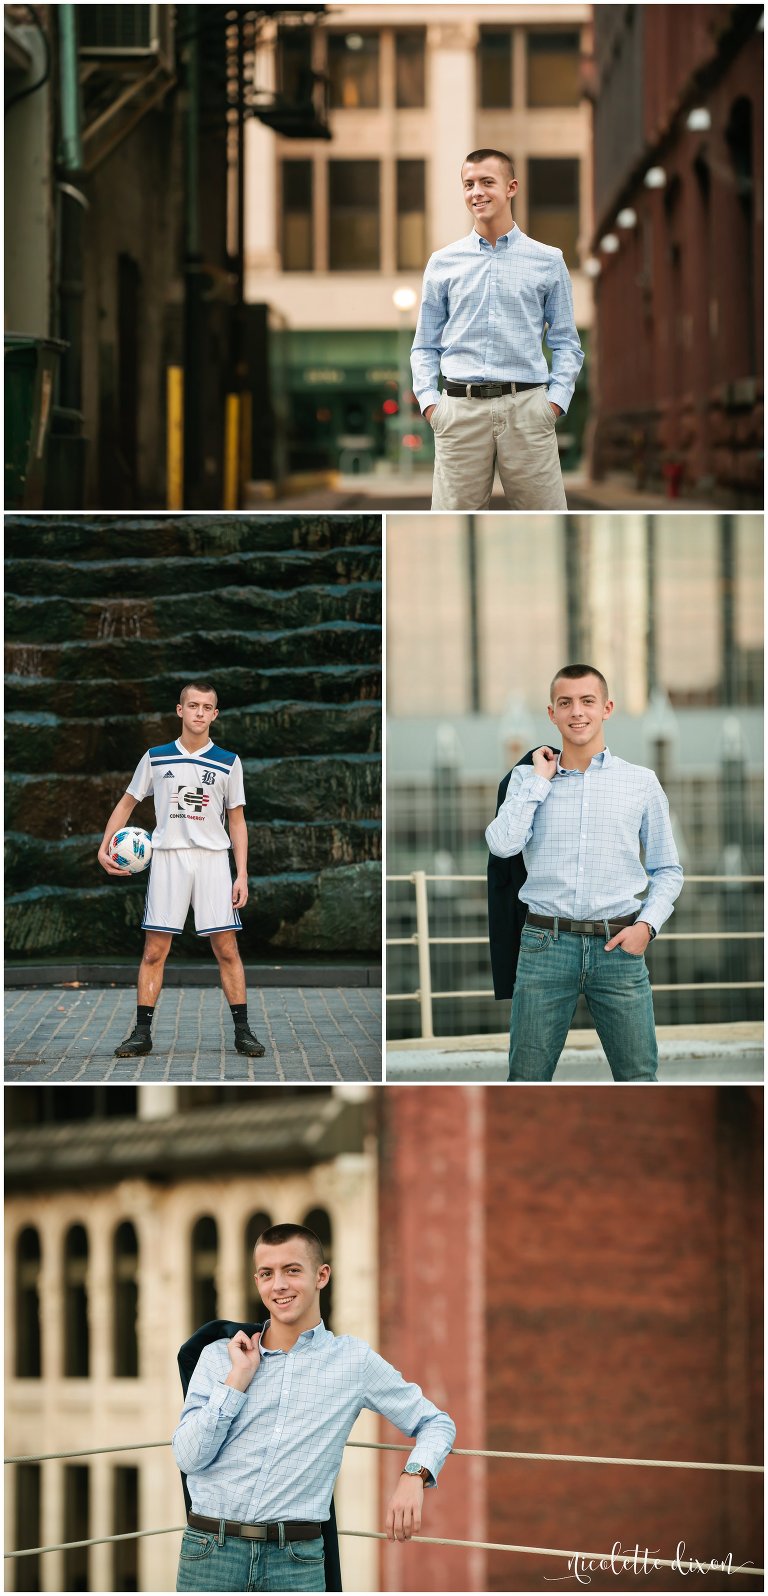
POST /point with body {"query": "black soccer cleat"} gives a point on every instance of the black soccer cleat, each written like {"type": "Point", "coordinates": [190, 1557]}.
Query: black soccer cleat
{"type": "Point", "coordinates": [135, 1045]}
{"type": "Point", "coordinates": [246, 1042]}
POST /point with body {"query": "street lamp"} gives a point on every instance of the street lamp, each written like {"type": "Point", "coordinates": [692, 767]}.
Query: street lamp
{"type": "Point", "coordinates": [404, 300]}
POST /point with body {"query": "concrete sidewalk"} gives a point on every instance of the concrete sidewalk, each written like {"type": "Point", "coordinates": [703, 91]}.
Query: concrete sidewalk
{"type": "Point", "coordinates": [695, 1054]}
{"type": "Point", "coordinates": [310, 1034]}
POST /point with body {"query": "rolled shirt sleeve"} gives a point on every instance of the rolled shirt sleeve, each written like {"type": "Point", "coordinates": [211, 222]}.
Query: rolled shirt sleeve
{"type": "Point", "coordinates": [513, 826]}
{"type": "Point", "coordinates": [404, 1404]}
{"type": "Point", "coordinates": [206, 1417]}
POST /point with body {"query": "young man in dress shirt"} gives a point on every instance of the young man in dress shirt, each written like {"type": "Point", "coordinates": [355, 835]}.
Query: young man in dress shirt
{"type": "Point", "coordinates": [580, 821]}
{"type": "Point", "coordinates": [486, 302]}
{"type": "Point", "coordinates": [263, 1428]}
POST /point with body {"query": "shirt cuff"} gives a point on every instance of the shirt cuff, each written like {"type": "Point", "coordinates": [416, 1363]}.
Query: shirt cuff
{"type": "Point", "coordinates": [431, 397]}
{"type": "Point", "coordinates": [425, 1463]}
{"type": "Point", "coordinates": [226, 1399]}
{"type": "Point", "coordinates": [558, 395]}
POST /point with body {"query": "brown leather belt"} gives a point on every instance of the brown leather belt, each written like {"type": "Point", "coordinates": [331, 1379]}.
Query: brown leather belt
{"type": "Point", "coordinates": [583, 928]}
{"type": "Point", "coordinates": [256, 1532]}
{"type": "Point", "coordinates": [486, 390]}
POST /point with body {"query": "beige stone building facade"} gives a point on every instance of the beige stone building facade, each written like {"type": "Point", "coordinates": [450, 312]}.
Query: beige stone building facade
{"type": "Point", "coordinates": [122, 1234]}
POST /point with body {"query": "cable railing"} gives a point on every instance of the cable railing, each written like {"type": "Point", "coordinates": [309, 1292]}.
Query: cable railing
{"type": "Point", "coordinates": [421, 940]}
{"type": "Point", "coordinates": [682, 1565]}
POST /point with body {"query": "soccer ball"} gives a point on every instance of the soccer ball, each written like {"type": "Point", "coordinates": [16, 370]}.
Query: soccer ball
{"type": "Point", "coordinates": [130, 849]}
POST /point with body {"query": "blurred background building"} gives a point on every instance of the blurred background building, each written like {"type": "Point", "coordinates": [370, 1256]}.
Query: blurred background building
{"type": "Point", "coordinates": [676, 386]}
{"type": "Point", "coordinates": [565, 1272]}
{"type": "Point", "coordinates": [481, 611]}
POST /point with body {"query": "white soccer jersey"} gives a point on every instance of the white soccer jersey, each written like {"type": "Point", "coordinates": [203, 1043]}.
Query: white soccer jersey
{"type": "Point", "coordinates": [192, 793]}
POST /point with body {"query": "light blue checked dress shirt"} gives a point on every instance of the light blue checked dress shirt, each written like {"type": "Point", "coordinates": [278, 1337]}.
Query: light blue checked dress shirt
{"type": "Point", "coordinates": [273, 1452]}
{"type": "Point", "coordinates": [483, 314]}
{"type": "Point", "coordinates": [580, 835]}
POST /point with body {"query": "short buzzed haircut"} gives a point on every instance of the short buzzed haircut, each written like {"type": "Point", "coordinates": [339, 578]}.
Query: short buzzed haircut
{"type": "Point", "coordinates": [572, 673]}
{"type": "Point", "coordinates": [277, 1235]}
{"type": "Point", "coordinates": [490, 155]}
{"type": "Point", "coordinates": [200, 687]}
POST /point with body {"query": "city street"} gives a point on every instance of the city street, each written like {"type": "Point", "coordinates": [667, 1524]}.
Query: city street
{"type": "Point", "coordinates": [310, 1033]}
{"type": "Point", "coordinates": [399, 493]}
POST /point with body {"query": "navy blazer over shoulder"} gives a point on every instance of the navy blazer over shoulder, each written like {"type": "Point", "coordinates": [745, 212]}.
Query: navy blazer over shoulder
{"type": "Point", "coordinates": [189, 1357]}
{"type": "Point", "coordinates": [506, 914]}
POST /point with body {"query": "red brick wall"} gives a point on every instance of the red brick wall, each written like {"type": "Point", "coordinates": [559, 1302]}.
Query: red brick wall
{"type": "Point", "coordinates": [576, 1270]}
{"type": "Point", "coordinates": [621, 1321]}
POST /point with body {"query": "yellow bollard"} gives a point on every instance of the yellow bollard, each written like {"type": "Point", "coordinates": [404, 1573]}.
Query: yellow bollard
{"type": "Point", "coordinates": [174, 447]}
{"type": "Point", "coordinates": [232, 453]}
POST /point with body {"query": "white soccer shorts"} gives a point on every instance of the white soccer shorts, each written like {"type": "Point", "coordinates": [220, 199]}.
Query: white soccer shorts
{"type": "Point", "coordinates": [180, 877]}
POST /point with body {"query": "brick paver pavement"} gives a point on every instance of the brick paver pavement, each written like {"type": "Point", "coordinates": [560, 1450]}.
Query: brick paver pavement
{"type": "Point", "coordinates": [310, 1034]}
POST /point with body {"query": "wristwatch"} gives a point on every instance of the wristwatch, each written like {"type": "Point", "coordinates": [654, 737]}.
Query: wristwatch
{"type": "Point", "coordinates": [413, 1468]}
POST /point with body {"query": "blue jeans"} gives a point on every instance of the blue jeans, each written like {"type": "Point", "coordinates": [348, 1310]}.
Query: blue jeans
{"type": "Point", "coordinates": [207, 1562]}
{"type": "Point", "coordinates": [554, 967]}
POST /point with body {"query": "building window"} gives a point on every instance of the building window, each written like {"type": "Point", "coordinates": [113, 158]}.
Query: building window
{"type": "Point", "coordinates": [205, 1248]}
{"type": "Point", "coordinates": [27, 1569]}
{"type": "Point", "coordinates": [294, 64]}
{"type": "Point", "coordinates": [353, 215]}
{"type": "Point", "coordinates": [76, 1349]}
{"type": "Point", "coordinates": [410, 55]}
{"type": "Point", "coordinates": [125, 1264]}
{"type": "Point", "coordinates": [296, 215]}
{"type": "Point", "coordinates": [553, 69]}
{"type": "Point", "coordinates": [76, 1515]}
{"type": "Point", "coordinates": [254, 1307]}
{"type": "Point", "coordinates": [411, 216]}
{"type": "Point", "coordinates": [318, 1220]}
{"type": "Point", "coordinates": [125, 1520]}
{"type": "Point", "coordinates": [353, 70]}
{"type": "Point", "coordinates": [553, 205]}
{"type": "Point", "coordinates": [495, 69]}
{"type": "Point", "coordinates": [28, 1304]}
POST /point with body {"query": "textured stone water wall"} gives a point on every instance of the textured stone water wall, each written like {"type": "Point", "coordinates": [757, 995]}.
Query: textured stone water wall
{"type": "Point", "coordinates": [106, 617]}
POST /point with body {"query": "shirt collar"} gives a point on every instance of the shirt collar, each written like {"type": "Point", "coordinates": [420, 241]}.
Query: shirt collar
{"type": "Point", "coordinates": [599, 761]}
{"type": "Point", "coordinates": [188, 751]}
{"type": "Point", "coordinates": [309, 1338]}
{"type": "Point", "coordinates": [508, 238]}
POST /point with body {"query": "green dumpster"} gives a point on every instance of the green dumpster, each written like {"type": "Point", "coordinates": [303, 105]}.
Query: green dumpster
{"type": "Point", "coordinates": [30, 371]}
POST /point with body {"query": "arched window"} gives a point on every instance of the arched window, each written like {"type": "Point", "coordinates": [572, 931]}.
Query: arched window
{"type": "Point", "coordinates": [318, 1220]}
{"type": "Point", "coordinates": [739, 135]}
{"type": "Point", "coordinates": [254, 1307]}
{"type": "Point", "coordinates": [76, 1350]}
{"type": "Point", "coordinates": [28, 1304]}
{"type": "Point", "coordinates": [125, 1301]}
{"type": "Point", "coordinates": [205, 1248]}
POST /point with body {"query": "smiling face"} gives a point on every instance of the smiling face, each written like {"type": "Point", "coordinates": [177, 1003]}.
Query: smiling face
{"type": "Point", "coordinates": [289, 1282]}
{"type": "Point", "coordinates": [488, 188]}
{"type": "Point", "coordinates": [579, 709]}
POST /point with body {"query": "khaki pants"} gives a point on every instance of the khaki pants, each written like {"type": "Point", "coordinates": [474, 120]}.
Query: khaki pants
{"type": "Point", "coordinates": [516, 433]}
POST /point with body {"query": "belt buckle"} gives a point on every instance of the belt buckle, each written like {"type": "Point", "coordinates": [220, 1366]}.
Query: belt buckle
{"type": "Point", "coordinates": [583, 928]}
{"type": "Point", "coordinates": [492, 390]}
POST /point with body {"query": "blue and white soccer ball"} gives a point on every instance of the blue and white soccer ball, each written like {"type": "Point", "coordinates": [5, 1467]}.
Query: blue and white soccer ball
{"type": "Point", "coordinates": [130, 849]}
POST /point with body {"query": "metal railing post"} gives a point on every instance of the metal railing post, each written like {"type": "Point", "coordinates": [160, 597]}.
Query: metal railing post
{"type": "Point", "coordinates": [419, 879]}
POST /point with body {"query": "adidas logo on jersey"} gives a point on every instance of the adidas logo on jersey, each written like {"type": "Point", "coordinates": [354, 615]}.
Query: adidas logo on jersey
{"type": "Point", "coordinates": [168, 773]}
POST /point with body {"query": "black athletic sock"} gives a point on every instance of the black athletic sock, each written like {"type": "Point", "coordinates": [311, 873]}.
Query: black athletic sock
{"type": "Point", "coordinates": [144, 1012]}
{"type": "Point", "coordinates": [239, 1013]}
